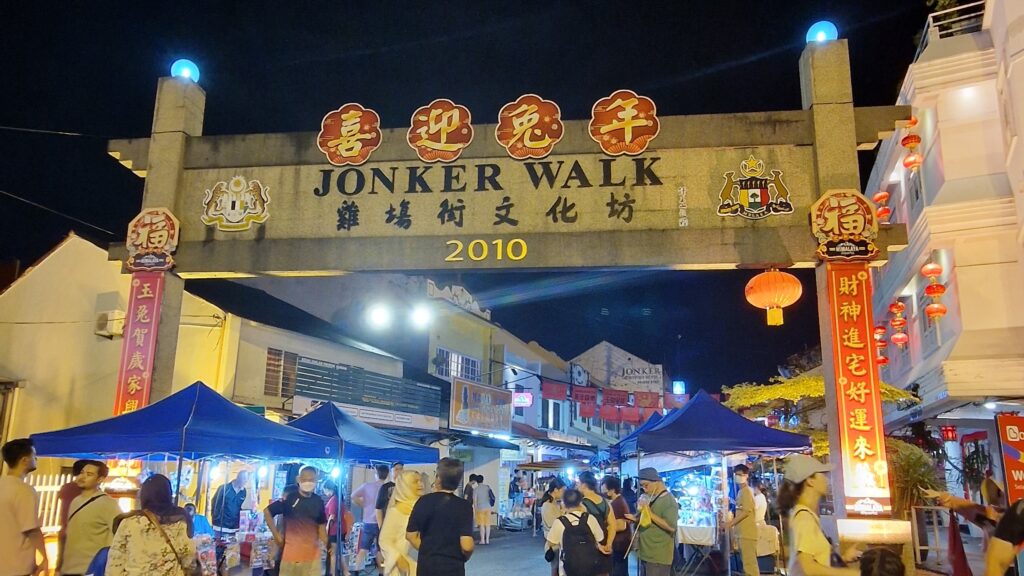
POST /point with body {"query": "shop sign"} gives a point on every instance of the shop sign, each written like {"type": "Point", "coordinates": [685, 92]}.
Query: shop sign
{"type": "Point", "coordinates": [553, 390]}
{"type": "Point", "coordinates": [236, 205]}
{"type": "Point", "coordinates": [845, 225]}
{"type": "Point", "coordinates": [584, 395]}
{"type": "Point", "coordinates": [754, 196]}
{"type": "Point", "coordinates": [135, 373]}
{"type": "Point", "coordinates": [152, 238]}
{"type": "Point", "coordinates": [480, 408]}
{"type": "Point", "coordinates": [1011, 441]}
{"type": "Point", "coordinates": [615, 397]}
{"type": "Point", "coordinates": [858, 397]}
{"type": "Point", "coordinates": [639, 376]}
{"type": "Point", "coordinates": [522, 399]}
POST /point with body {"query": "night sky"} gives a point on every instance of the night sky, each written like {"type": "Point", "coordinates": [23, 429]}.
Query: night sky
{"type": "Point", "coordinates": [90, 69]}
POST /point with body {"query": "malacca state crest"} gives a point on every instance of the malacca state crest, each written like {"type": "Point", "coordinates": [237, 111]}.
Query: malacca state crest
{"type": "Point", "coordinates": [753, 195]}
{"type": "Point", "coordinates": [236, 205]}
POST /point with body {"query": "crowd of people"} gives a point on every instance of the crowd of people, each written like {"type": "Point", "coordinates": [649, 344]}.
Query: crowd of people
{"type": "Point", "coordinates": [590, 527]}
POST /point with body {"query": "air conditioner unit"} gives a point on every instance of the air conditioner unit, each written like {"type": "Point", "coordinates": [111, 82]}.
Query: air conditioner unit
{"type": "Point", "coordinates": [110, 323]}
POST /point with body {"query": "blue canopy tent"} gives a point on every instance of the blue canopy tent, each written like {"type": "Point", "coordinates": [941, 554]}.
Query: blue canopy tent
{"type": "Point", "coordinates": [193, 423]}
{"type": "Point", "coordinates": [627, 446]}
{"type": "Point", "coordinates": [704, 424]}
{"type": "Point", "coordinates": [362, 442]}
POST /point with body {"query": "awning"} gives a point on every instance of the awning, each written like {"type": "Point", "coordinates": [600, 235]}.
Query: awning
{"type": "Point", "coordinates": [527, 432]}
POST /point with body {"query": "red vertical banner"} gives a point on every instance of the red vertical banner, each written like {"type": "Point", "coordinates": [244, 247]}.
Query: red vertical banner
{"type": "Point", "coordinates": [858, 397]}
{"type": "Point", "coordinates": [139, 347]}
{"type": "Point", "coordinates": [1011, 444]}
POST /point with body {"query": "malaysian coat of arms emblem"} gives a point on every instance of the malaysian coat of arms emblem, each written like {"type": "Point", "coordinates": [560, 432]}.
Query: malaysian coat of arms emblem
{"type": "Point", "coordinates": [754, 196]}
{"type": "Point", "coordinates": [236, 205]}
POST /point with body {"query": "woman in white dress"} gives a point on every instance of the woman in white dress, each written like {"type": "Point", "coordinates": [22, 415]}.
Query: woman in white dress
{"type": "Point", "coordinates": [399, 556]}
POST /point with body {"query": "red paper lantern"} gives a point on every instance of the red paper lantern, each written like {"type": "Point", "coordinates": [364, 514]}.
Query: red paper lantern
{"type": "Point", "coordinates": [912, 121]}
{"type": "Point", "coordinates": [931, 270]}
{"type": "Point", "coordinates": [881, 345]}
{"type": "Point", "coordinates": [934, 291]}
{"type": "Point", "coordinates": [935, 310]}
{"type": "Point", "coordinates": [773, 290]}
{"type": "Point", "coordinates": [898, 323]}
{"type": "Point", "coordinates": [882, 361]}
{"type": "Point", "coordinates": [880, 197]}
{"type": "Point", "coordinates": [948, 433]}
{"type": "Point", "coordinates": [884, 212]}
{"type": "Point", "coordinates": [900, 339]}
{"type": "Point", "coordinates": [880, 331]}
{"type": "Point", "coordinates": [910, 141]}
{"type": "Point", "coordinates": [897, 307]}
{"type": "Point", "coordinates": [912, 161]}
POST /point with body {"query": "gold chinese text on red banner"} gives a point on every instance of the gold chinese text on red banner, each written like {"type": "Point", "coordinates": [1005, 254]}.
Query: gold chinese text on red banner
{"type": "Point", "coordinates": [865, 471]}
{"type": "Point", "coordinates": [141, 321]}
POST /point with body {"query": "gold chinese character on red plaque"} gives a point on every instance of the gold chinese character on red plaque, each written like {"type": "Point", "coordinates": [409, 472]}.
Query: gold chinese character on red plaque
{"type": "Point", "coordinates": [349, 134]}
{"type": "Point", "coordinates": [152, 238]}
{"type": "Point", "coordinates": [440, 131]}
{"type": "Point", "coordinates": [624, 123]}
{"type": "Point", "coordinates": [529, 127]}
{"type": "Point", "coordinates": [845, 225]}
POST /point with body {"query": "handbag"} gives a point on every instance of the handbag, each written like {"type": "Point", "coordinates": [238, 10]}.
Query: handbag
{"type": "Point", "coordinates": [195, 569]}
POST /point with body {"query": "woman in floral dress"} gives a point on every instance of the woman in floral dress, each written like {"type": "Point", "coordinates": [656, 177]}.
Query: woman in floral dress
{"type": "Point", "coordinates": [153, 541]}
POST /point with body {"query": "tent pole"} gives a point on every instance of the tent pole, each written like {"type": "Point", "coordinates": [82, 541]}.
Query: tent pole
{"type": "Point", "coordinates": [177, 487]}
{"type": "Point", "coordinates": [725, 501]}
{"type": "Point", "coordinates": [339, 557]}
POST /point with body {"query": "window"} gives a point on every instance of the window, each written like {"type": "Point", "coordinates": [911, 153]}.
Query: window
{"type": "Point", "coordinates": [279, 379]}
{"type": "Point", "coordinates": [520, 411]}
{"type": "Point", "coordinates": [450, 365]}
{"type": "Point", "coordinates": [551, 415]}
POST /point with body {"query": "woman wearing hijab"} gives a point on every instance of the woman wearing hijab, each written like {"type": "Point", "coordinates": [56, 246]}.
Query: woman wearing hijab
{"type": "Point", "coordinates": [399, 557]}
{"type": "Point", "coordinates": [154, 540]}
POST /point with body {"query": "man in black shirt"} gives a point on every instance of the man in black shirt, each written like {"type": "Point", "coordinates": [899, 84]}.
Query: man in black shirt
{"type": "Point", "coordinates": [441, 525]}
{"type": "Point", "coordinates": [1006, 541]}
{"type": "Point", "coordinates": [227, 505]}
{"type": "Point", "coordinates": [305, 527]}
{"type": "Point", "coordinates": [384, 496]}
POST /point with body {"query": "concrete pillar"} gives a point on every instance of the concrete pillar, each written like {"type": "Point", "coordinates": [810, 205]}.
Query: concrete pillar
{"type": "Point", "coordinates": [826, 90]}
{"type": "Point", "coordinates": [178, 114]}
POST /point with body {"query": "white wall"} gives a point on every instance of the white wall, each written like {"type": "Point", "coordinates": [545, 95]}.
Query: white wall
{"type": "Point", "coordinates": [246, 383]}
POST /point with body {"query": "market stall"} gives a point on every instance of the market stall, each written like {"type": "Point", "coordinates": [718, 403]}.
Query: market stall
{"type": "Point", "coordinates": [187, 430]}
{"type": "Point", "coordinates": [704, 438]}
{"type": "Point", "coordinates": [360, 442]}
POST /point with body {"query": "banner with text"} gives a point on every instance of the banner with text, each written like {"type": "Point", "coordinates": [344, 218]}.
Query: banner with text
{"type": "Point", "coordinates": [139, 346]}
{"type": "Point", "coordinates": [480, 408]}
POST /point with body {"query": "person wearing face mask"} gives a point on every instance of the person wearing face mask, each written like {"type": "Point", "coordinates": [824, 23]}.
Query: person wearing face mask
{"type": "Point", "coordinates": [744, 521]}
{"type": "Point", "coordinates": [656, 527]}
{"type": "Point", "coordinates": [305, 527]}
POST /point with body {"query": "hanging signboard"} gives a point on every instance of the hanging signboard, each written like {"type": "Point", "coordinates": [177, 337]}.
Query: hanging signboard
{"type": "Point", "coordinates": [139, 346]}
{"type": "Point", "coordinates": [845, 224]}
{"type": "Point", "coordinates": [152, 238]}
{"type": "Point", "coordinates": [480, 408]}
{"type": "Point", "coordinates": [1011, 441]}
{"type": "Point", "coordinates": [858, 396]}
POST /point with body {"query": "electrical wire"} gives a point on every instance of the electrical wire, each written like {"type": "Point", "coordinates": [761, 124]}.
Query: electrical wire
{"type": "Point", "coordinates": [57, 212]}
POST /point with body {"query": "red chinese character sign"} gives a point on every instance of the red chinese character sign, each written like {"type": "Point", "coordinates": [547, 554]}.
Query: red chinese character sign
{"type": "Point", "coordinates": [440, 131]}
{"type": "Point", "coordinates": [139, 347]}
{"type": "Point", "coordinates": [624, 123]}
{"type": "Point", "coordinates": [349, 135]}
{"type": "Point", "coordinates": [529, 127]}
{"type": "Point", "coordinates": [152, 238]}
{"type": "Point", "coordinates": [1011, 442]}
{"type": "Point", "coordinates": [845, 224]}
{"type": "Point", "coordinates": [861, 433]}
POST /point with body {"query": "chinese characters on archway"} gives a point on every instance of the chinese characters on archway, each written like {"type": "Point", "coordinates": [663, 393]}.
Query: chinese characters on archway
{"type": "Point", "coordinates": [528, 128]}
{"type": "Point", "coordinates": [139, 345]}
{"type": "Point", "coordinates": [861, 435]}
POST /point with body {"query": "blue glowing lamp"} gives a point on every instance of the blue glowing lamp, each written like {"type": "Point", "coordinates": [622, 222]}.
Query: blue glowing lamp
{"type": "Point", "coordinates": [184, 68]}
{"type": "Point", "coordinates": [822, 32]}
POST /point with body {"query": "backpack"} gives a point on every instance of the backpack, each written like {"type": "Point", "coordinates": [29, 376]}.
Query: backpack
{"type": "Point", "coordinates": [490, 495]}
{"type": "Point", "coordinates": [580, 556]}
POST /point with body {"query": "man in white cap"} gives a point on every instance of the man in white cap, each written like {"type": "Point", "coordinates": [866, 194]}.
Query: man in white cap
{"type": "Point", "coordinates": [659, 515]}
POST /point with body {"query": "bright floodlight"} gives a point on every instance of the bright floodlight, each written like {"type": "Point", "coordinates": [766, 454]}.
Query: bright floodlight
{"type": "Point", "coordinates": [421, 316]}
{"type": "Point", "coordinates": [990, 405]}
{"type": "Point", "coordinates": [185, 69]}
{"type": "Point", "coordinates": [215, 473]}
{"type": "Point", "coordinates": [822, 32]}
{"type": "Point", "coordinates": [335, 472]}
{"type": "Point", "coordinates": [379, 316]}
{"type": "Point", "coordinates": [261, 472]}
{"type": "Point", "coordinates": [678, 387]}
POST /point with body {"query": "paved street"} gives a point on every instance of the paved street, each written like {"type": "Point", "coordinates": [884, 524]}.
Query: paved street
{"type": "Point", "coordinates": [509, 553]}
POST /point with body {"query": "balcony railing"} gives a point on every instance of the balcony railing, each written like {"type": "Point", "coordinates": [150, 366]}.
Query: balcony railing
{"type": "Point", "coordinates": [966, 19]}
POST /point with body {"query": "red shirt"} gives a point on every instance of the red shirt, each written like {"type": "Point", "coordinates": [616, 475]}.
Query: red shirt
{"type": "Point", "coordinates": [622, 537]}
{"type": "Point", "coordinates": [67, 493]}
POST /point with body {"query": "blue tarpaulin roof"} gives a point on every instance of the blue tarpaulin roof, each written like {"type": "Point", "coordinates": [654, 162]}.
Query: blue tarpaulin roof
{"type": "Point", "coordinates": [197, 421]}
{"type": "Point", "coordinates": [704, 424]}
{"type": "Point", "coordinates": [363, 442]}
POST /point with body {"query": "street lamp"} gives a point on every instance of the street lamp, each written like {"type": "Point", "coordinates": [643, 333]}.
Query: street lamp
{"type": "Point", "coordinates": [379, 316]}
{"type": "Point", "coordinates": [822, 31]}
{"type": "Point", "coordinates": [184, 68]}
{"type": "Point", "coordinates": [422, 315]}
